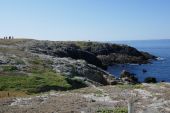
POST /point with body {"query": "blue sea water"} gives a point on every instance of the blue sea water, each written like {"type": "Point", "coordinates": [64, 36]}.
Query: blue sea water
{"type": "Point", "coordinates": [159, 69]}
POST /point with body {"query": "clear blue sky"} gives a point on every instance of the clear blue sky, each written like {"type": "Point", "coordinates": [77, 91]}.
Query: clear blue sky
{"type": "Point", "coordinates": [85, 19]}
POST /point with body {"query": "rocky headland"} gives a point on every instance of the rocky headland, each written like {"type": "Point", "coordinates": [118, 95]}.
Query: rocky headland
{"type": "Point", "coordinates": [83, 61]}
{"type": "Point", "coordinates": [57, 71]}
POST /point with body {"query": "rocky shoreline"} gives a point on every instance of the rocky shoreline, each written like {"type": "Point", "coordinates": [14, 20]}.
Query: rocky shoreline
{"type": "Point", "coordinates": [71, 77]}
{"type": "Point", "coordinates": [85, 61]}
{"type": "Point", "coordinates": [96, 53]}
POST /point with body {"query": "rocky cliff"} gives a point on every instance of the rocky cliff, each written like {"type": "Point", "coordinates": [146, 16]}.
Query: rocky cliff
{"type": "Point", "coordinates": [83, 61]}
{"type": "Point", "coordinates": [99, 54]}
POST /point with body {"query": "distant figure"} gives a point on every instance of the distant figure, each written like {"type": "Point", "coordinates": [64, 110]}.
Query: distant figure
{"type": "Point", "coordinates": [10, 37]}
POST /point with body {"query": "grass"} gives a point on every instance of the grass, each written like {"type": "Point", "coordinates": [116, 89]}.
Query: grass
{"type": "Point", "coordinates": [85, 90]}
{"type": "Point", "coordinates": [37, 77]}
{"type": "Point", "coordinates": [5, 94]}
{"type": "Point", "coordinates": [19, 84]}
{"type": "Point", "coordinates": [35, 83]}
{"type": "Point", "coordinates": [115, 110]}
{"type": "Point", "coordinates": [129, 86]}
{"type": "Point", "coordinates": [98, 93]}
{"type": "Point", "coordinates": [12, 41]}
{"type": "Point", "coordinates": [19, 61]}
{"type": "Point", "coordinates": [9, 68]}
{"type": "Point", "coordinates": [39, 65]}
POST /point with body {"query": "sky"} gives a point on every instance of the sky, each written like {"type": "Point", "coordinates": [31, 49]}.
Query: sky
{"type": "Point", "coordinates": [97, 20]}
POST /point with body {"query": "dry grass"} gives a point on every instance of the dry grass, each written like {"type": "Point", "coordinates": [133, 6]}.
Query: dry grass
{"type": "Point", "coordinates": [86, 90]}
{"type": "Point", "coordinates": [12, 41]}
{"type": "Point", "coordinates": [74, 101]}
{"type": "Point", "coordinates": [7, 94]}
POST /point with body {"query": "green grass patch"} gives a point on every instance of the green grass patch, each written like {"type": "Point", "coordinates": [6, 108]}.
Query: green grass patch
{"type": "Point", "coordinates": [129, 86]}
{"type": "Point", "coordinates": [39, 65]}
{"type": "Point", "coordinates": [37, 61]}
{"type": "Point", "coordinates": [34, 83]}
{"type": "Point", "coordinates": [115, 110]}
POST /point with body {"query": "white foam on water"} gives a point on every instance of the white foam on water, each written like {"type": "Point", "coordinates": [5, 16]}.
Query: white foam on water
{"type": "Point", "coordinates": [160, 58]}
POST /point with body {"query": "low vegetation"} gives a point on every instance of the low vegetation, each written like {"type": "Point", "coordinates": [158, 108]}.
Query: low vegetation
{"type": "Point", "coordinates": [18, 85]}
{"type": "Point", "coordinates": [34, 83]}
{"type": "Point", "coordinates": [129, 86]}
{"type": "Point", "coordinates": [9, 68]}
{"type": "Point", "coordinates": [115, 110]}
{"type": "Point", "coordinates": [5, 94]}
{"type": "Point", "coordinates": [12, 42]}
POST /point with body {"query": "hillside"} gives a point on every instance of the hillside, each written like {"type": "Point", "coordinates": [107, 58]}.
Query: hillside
{"type": "Point", "coordinates": [41, 76]}
{"type": "Point", "coordinates": [150, 98]}
{"type": "Point", "coordinates": [33, 66]}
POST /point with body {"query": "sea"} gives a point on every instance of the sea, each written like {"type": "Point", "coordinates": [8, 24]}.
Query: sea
{"type": "Point", "coordinates": [160, 69]}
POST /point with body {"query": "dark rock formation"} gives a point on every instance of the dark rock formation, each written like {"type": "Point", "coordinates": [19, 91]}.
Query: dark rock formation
{"type": "Point", "coordinates": [150, 80]}
{"type": "Point", "coordinates": [99, 54]}
{"type": "Point", "coordinates": [128, 77]}
{"type": "Point", "coordinates": [66, 50]}
{"type": "Point", "coordinates": [76, 60]}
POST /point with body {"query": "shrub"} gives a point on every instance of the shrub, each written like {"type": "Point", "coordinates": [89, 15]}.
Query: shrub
{"type": "Point", "coordinates": [9, 68]}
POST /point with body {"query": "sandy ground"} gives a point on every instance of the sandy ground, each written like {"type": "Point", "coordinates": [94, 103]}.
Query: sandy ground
{"type": "Point", "coordinates": [150, 98]}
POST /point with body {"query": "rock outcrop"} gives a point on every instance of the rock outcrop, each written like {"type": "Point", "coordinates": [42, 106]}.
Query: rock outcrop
{"type": "Point", "coordinates": [128, 77]}
{"type": "Point", "coordinates": [82, 70]}
{"type": "Point", "coordinates": [99, 54]}
{"type": "Point", "coordinates": [84, 61]}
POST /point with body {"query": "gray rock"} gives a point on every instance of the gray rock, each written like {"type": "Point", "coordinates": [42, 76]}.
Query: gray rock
{"type": "Point", "coordinates": [73, 68]}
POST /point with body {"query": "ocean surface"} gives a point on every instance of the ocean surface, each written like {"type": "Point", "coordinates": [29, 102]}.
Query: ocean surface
{"type": "Point", "coordinates": [159, 69]}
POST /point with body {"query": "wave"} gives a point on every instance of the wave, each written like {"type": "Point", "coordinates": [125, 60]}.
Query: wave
{"type": "Point", "coordinates": [160, 58]}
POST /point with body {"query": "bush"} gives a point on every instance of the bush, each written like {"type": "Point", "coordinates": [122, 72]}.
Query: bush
{"type": "Point", "coordinates": [9, 68]}
{"type": "Point", "coordinates": [150, 80]}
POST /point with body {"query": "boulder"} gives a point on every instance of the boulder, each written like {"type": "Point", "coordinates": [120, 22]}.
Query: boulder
{"type": "Point", "coordinates": [150, 80]}
{"type": "Point", "coordinates": [128, 77]}
{"type": "Point", "coordinates": [80, 68]}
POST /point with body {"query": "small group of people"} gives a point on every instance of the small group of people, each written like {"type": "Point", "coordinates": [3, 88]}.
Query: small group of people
{"type": "Point", "coordinates": [10, 37]}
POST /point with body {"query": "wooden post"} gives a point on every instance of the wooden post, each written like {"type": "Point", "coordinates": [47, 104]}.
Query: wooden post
{"type": "Point", "coordinates": [130, 107]}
